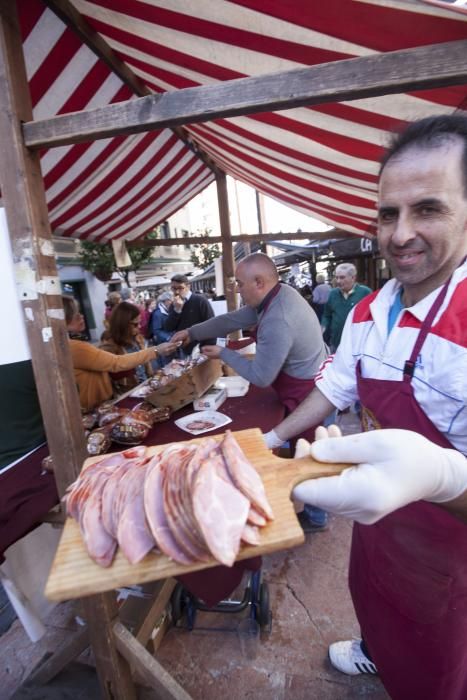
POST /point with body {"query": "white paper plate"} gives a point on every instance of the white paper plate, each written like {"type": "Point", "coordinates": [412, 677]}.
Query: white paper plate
{"type": "Point", "coordinates": [193, 423]}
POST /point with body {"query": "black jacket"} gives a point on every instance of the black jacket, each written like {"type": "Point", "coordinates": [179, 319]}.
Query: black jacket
{"type": "Point", "coordinates": [196, 310]}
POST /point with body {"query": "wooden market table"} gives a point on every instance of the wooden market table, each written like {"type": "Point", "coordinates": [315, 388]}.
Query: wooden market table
{"type": "Point", "coordinates": [29, 493]}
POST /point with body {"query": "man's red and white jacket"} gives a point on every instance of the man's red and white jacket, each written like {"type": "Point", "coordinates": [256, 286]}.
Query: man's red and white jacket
{"type": "Point", "coordinates": [440, 376]}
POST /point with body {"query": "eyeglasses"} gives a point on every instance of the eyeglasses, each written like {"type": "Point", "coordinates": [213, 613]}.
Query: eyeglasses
{"type": "Point", "coordinates": [134, 323]}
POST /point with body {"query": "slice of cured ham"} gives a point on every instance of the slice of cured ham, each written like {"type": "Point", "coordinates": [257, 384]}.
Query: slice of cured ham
{"type": "Point", "coordinates": [155, 514]}
{"type": "Point", "coordinates": [222, 527]}
{"type": "Point", "coordinates": [250, 535]}
{"type": "Point", "coordinates": [100, 544]}
{"type": "Point", "coordinates": [173, 475]}
{"type": "Point", "coordinates": [109, 495]}
{"type": "Point", "coordinates": [133, 534]}
{"type": "Point", "coordinates": [244, 475]}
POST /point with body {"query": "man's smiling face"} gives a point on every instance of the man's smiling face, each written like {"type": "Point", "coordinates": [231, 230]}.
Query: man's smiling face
{"type": "Point", "coordinates": [422, 216]}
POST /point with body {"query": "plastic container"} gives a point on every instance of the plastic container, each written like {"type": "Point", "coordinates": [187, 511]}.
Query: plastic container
{"type": "Point", "coordinates": [235, 386]}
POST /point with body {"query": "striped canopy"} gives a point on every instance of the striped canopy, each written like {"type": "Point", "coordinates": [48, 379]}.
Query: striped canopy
{"type": "Point", "coordinates": [321, 160]}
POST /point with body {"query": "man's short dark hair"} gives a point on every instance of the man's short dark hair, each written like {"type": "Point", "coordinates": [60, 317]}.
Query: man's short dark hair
{"type": "Point", "coordinates": [180, 279]}
{"type": "Point", "coordinates": [430, 132]}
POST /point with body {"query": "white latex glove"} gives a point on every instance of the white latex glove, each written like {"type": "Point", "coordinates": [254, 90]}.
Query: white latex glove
{"type": "Point", "coordinates": [272, 440]}
{"type": "Point", "coordinates": [395, 468]}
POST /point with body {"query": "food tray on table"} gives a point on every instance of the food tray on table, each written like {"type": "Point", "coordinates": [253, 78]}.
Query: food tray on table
{"type": "Point", "coordinates": [202, 422]}
{"type": "Point", "coordinates": [74, 574]}
{"type": "Point", "coordinates": [180, 383]}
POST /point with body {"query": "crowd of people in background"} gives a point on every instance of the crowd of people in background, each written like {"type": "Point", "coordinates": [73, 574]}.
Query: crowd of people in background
{"type": "Point", "coordinates": [172, 310]}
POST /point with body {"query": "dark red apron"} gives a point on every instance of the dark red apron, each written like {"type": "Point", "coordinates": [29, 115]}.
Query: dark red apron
{"type": "Point", "coordinates": [290, 390]}
{"type": "Point", "coordinates": [408, 572]}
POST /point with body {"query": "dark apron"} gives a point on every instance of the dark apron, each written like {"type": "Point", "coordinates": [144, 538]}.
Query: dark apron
{"type": "Point", "coordinates": [290, 390]}
{"type": "Point", "coordinates": [408, 572]}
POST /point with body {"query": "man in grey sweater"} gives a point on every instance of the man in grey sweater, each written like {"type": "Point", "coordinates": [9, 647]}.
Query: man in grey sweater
{"type": "Point", "coordinates": [289, 343]}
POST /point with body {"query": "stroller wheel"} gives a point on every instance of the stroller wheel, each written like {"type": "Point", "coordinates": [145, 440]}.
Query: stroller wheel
{"type": "Point", "coordinates": [178, 602]}
{"type": "Point", "coordinates": [262, 610]}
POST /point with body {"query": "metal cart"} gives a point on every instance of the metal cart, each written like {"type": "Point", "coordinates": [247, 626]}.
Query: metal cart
{"type": "Point", "coordinates": [256, 597]}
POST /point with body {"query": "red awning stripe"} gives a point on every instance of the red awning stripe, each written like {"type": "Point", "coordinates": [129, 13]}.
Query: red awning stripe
{"type": "Point", "coordinates": [192, 179]}
{"type": "Point", "coordinates": [323, 160]}
{"type": "Point", "coordinates": [347, 196]}
{"type": "Point", "coordinates": [282, 157]}
{"type": "Point", "coordinates": [142, 196]}
{"type": "Point", "coordinates": [359, 219]}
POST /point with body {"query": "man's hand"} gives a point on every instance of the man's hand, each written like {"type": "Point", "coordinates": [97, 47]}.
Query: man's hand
{"type": "Point", "coordinates": [303, 447]}
{"type": "Point", "coordinates": [181, 337]}
{"type": "Point", "coordinates": [211, 351]}
{"type": "Point", "coordinates": [177, 303]}
{"type": "Point", "coordinates": [395, 468]}
{"type": "Point", "coordinates": [167, 348]}
{"type": "Point", "coordinates": [273, 441]}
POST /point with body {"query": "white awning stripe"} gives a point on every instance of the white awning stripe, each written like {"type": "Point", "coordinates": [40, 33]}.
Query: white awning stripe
{"type": "Point", "coordinates": [322, 160]}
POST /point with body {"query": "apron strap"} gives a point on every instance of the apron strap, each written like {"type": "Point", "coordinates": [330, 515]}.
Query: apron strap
{"type": "Point", "coordinates": [409, 365]}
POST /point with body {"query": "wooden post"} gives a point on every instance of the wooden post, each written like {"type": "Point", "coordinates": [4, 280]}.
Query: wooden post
{"type": "Point", "coordinates": [36, 274]}
{"type": "Point", "coordinates": [228, 261]}
{"type": "Point", "coordinates": [261, 217]}
{"type": "Point", "coordinates": [39, 292]}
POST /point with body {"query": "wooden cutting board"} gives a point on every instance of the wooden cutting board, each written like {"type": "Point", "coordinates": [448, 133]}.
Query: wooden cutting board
{"type": "Point", "coordinates": [74, 574]}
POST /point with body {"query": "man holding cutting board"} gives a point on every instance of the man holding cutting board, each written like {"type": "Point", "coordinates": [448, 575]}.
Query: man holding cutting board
{"type": "Point", "coordinates": [403, 355]}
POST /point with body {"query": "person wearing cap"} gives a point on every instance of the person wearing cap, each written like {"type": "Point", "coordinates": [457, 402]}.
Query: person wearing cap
{"type": "Point", "coordinates": [159, 317]}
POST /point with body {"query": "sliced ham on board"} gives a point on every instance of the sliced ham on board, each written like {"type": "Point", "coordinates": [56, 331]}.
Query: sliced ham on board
{"type": "Point", "coordinates": [155, 514]}
{"type": "Point", "coordinates": [222, 527]}
{"type": "Point", "coordinates": [245, 476]}
{"type": "Point", "coordinates": [191, 501]}
{"type": "Point", "coordinates": [133, 533]}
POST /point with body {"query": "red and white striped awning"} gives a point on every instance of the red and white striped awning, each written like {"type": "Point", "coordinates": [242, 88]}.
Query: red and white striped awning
{"type": "Point", "coordinates": [321, 160]}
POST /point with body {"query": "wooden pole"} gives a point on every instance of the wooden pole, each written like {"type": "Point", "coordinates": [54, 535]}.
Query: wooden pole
{"type": "Point", "coordinates": [35, 270]}
{"type": "Point", "coordinates": [228, 260]}
{"type": "Point", "coordinates": [248, 238]}
{"type": "Point", "coordinates": [260, 215]}
{"type": "Point", "coordinates": [39, 293]}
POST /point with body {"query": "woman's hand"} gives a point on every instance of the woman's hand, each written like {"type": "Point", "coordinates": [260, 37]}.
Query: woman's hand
{"type": "Point", "coordinates": [167, 348]}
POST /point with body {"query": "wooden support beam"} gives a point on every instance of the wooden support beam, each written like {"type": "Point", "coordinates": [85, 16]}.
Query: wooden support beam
{"type": "Point", "coordinates": [245, 237]}
{"type": "Point", "coordinates": [421, 68]}
{"type": "Point", "coordinates": [159, 604]}
{"type": "Point", "coordinates": [35, 270]}
{"type": "Point", "coordinates": [228, 259]}
{"type": "Point", "coordinates": [73, 19]}
{"type": "Point", "coordinates": [68, 652]}
{"type": "Point", "coordinates": [113, 669]}
{"type": "Point", "coordinates": [39, 293]}
{"type": "Point", "coordinates": [147, 667]}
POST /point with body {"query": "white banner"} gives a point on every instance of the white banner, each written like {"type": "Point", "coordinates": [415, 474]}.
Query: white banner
{"type": "Point", "coordinates": [14, 346]}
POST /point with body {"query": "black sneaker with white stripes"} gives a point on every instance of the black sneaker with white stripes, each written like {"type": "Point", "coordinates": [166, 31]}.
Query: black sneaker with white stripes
{"type": "Point", "coordinates": [349, 658]}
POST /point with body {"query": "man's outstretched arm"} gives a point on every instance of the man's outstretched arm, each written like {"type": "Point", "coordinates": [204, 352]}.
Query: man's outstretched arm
{"type": "Point", "coordinates": [312, 411]}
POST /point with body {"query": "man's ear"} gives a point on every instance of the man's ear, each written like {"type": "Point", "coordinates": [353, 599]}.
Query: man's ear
{"type": "Point", "coordinates": [259, 281]}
